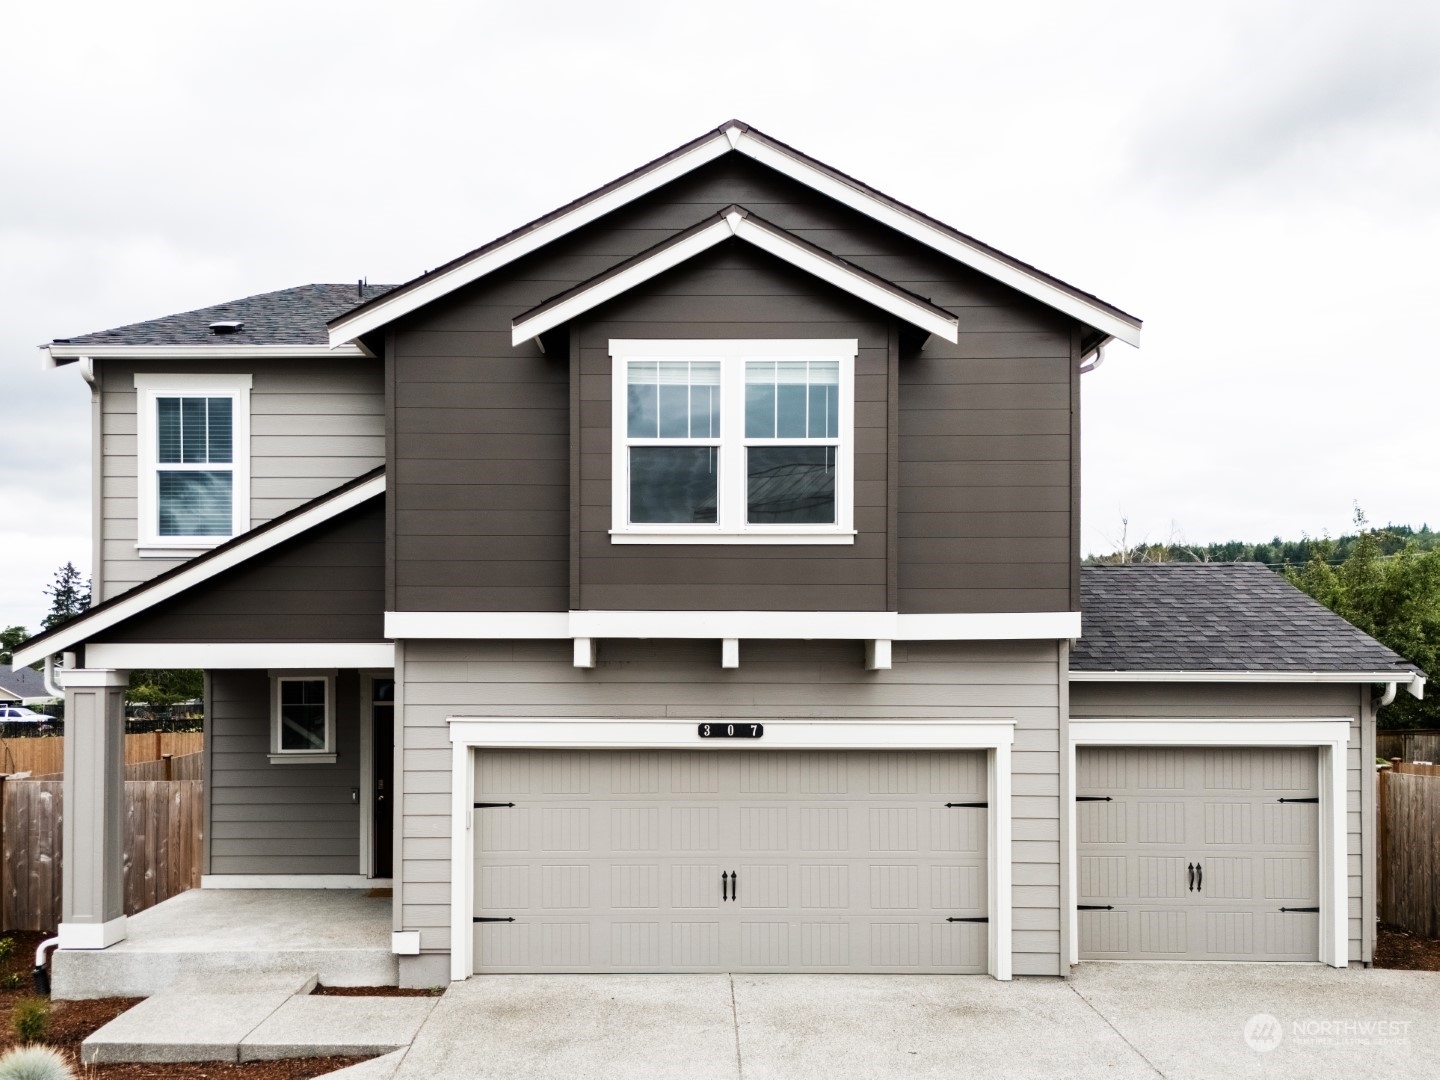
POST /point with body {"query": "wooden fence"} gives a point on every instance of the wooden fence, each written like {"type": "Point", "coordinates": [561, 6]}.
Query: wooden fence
{"type": "Point", "coordinates": [163, 838]}
{"type": "Point", "coordinates": [1409, 885]}
{"type": "Point", "coordinates": [45, 756]}
{"type": "Point", "coordinates": [1408, 745]}
{"type": "Point", "coordinates": [185, 767]}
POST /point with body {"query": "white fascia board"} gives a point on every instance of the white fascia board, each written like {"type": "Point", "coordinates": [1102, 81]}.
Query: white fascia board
{"type": "Point", "coordinates": [196, 352]}
{"type": "Point", "coordinates": [297, 655]}
{"type": "Point", "coordinates": [88, 625]}
{"type": "Point", "coordinates": [1208, 731]}
{"type": "Point", "coordinates": [945, 243]}
{"type": "Point", "coordinates": [620, 283]}
{"type": "Point", "coordinates": [388, 310]}
{"type": "Point", "coordinates": [766, 240]}
{"type": "Point", "coordinates": [848, 280]}
{"type": "Point", "coordinates": [774, 625]}
{"type": "Point", "coordinates": [1408, 677]}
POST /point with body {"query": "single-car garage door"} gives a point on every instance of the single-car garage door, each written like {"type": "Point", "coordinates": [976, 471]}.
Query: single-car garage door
{"type": "Point", "coordinates": [730, 861]}
{"type": "Point", "coordinates": [1198, 854]}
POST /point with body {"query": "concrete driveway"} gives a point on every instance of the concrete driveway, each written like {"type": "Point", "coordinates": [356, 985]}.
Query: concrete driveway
{"type": "Point", "coordinates": [1111, 1020]}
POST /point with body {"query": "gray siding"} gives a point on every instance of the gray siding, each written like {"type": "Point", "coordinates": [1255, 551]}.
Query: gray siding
{"type": "Point", "coordinates": [481, 451]}
{"type": "Point", "coordinates": [279, 819]}
{"type": "Point", "coordinates": [327, 585]}
{"type": "Point", "coordinates": [1160, 700]}
{"type": "Point", "coordinates": [314, 424]}
{"type": "Point", "coordinates": [733, 292]}
{"type": "Point", "coordinates": [775, 680]}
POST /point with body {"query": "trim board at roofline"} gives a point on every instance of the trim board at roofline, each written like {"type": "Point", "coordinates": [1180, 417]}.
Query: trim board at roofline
{"type": "Point", "coordinates": [767, 625]}
{"type": "Point", "coordinates": [1330, 736]}
{"type": "Point", "coordinates": [470, 733]}
{"type": "Point", "coordinates": [1413, 681]}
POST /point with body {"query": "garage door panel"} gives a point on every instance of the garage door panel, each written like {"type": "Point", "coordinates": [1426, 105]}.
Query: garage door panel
{"type": "Point", "coordinates": [842, 861]}
{"type": "Point", "coordinates": [1195, 854]}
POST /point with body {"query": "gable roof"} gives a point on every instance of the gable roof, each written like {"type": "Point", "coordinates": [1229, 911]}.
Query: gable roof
{"type": "Point", "coordinates": [24, 684]}
{"type": "Point", "coordinates": [201, 568]}
{"type": "Point", "coordinates": [286, 317]}
{"type": "Point", "coordinates": [1159, 618]}
{"type": "Point", "coordinates": [737, 222]}
{"type": "Point", "coordinates": [736, 137]}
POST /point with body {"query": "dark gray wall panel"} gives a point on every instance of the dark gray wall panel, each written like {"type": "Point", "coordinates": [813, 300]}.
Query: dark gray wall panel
{"type": "Point", "coordinates": [279, 819]}
{"type": "Point", "coordinates": [326, 585]}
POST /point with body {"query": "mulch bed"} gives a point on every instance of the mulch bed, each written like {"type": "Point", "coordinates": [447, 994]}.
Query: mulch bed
{"type": "Point", "coordinates": [1397, 948]}
{"type": "Point", "coordinates": [72, 1021]}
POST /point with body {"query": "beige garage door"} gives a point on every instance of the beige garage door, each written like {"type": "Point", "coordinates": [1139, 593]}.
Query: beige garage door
{"type": "Point", "coordinates": [1198, 854]}
{"type": "Point", "coordinates": [729, 861]}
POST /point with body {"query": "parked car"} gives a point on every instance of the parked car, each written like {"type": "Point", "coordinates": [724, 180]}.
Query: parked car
{"type": "Point", "coordinates": [16, 720]}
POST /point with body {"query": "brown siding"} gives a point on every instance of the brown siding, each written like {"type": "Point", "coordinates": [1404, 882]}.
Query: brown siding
{"type": "Point", "coordinates": [482, 430]}
{"type": "Point", "coordinates": [327, 585]}
{"type": "Point", "coordinates": [776, 302]}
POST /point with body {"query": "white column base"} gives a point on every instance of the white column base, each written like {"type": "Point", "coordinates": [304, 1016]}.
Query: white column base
{"type": "Point", "coordinates": [91, 935]}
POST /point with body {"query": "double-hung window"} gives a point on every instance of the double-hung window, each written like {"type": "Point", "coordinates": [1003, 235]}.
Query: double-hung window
{"type": "Point", "coordinates": [740, 441]}
{"type": "Point", "coordinates": [193, 484]}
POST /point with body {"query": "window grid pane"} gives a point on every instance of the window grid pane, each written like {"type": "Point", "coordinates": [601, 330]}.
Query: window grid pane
{"type": "Point", "coordinates": [790, 485]}
{"type": "Point", "coordinates": [194, 503]}
{"type": "Point", "coordinates": [302, 714]}
{"type": "Point", "coordinates": [673, 399]}
{"type": "Point", "coordinates": [674, 485]}
{"type": "Point", "coordinates": [792, 399]}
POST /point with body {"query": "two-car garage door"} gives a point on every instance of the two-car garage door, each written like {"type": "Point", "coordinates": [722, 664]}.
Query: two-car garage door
{"type": "Point", "coordinates": [730, 860]}
{"type": "Point", "coordinates": [1198, 853]}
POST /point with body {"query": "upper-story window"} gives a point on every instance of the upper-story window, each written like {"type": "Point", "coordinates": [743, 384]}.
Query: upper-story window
{"type": "Point", "coordinates": [742, 441]}
{"type": "Point", "coordinates": [193, 461]}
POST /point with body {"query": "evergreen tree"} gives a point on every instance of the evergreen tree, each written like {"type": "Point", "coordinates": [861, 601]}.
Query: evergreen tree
{"type": "Point", "coordinates": [11, 638]}
{"type": "Point", "coordinates": [69, 596]}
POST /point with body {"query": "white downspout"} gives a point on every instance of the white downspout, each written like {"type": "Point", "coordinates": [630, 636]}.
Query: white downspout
{"type": "Point", "coordinates": [53, 686]}
{"type": "Point", "coordinates": [1389, 694]}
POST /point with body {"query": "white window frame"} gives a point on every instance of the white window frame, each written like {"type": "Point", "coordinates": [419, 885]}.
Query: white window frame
{"type": "Point", "coordinates": [327, 756]}
{"type": "Point", "coordinates": [732, 528]}
{"type": "Point", "coordinates": [148, 389]}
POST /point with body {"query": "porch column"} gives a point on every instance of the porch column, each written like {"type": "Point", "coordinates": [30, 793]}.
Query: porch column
{"type": "Point", "coordinates": [92, 911]}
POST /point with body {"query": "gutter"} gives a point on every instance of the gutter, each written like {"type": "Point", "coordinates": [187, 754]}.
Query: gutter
{"type": "Point", "coordinates": [1413, 681]}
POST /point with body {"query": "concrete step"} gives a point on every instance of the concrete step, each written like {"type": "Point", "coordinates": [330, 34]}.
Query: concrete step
{"type": "Point", "coordinates": [124, 972]}
{"type": "Point", "coordinates": [337, 1026]}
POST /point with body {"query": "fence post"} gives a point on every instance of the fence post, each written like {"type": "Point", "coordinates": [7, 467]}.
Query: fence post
{"type": "Point", "coordinates": [169, 766]}
{"type": "Point", "coordinates": [4, 862]}
{"type": "Point", "coordinates": [157, 747]}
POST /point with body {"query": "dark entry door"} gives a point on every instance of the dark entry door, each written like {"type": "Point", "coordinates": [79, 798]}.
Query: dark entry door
{"type": "Point", "coordinates": [382, 711]}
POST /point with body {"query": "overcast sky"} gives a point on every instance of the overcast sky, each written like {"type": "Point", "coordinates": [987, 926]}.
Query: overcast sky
{"type": "Point", "coordinates": [1259, 181]}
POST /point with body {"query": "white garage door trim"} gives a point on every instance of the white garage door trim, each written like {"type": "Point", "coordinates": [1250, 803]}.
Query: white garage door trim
{"type": "Point", "coordinates": [1329, 736]}
{"type": "Point", "coordinates": [469, 733]}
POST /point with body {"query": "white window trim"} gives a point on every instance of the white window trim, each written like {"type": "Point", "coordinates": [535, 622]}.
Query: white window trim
{"type": "Point", "coordinates": [995, 735]}
{"type": "Point", "coordinates": [1330, 736]}
{"type": "Point", "coordinates": [327, 756]}
{"type": "Point", "coordinates": [732, 527]}
{"type": "Point", "coordinates": [149, 387]}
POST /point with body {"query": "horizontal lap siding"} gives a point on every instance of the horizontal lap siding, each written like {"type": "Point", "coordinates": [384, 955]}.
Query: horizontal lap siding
{"type": "Point", "coordinates": [481, 448]}
{"type": "Point", "coordinates": [775, 680]}
{"type": "Point", "coordinates": [279, 819]}
{"type": "Point", "coordinates": [1162, 700]}
{"type": "Point", "coordinates": [774, 301]}
{"type": "Point", "coordinates": [325, 585]}
{"type": "Point", "coordinates": [314, 424]}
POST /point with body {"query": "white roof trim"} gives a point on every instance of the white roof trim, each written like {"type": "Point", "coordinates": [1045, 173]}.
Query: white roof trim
{"type": "Point", "coordinates": [1409, 678]}
{"type": "Point", "coordinates": [775, 242]}
{"type": "Point", "coordinates": [55, 355]}
{"type": "Point", "coordinates": [88, 625]}
{"type": "Point", "coordinates": [403, 301]}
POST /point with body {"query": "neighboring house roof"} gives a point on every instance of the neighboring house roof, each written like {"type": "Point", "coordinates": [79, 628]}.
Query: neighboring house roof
{"type": "Point", "coordinates": [203, 567]}
{"type": "Point", "coordinates": [1217, 617]}
{"type": "Point", "coordinates": [286, 317]}
{"type": "Point", "coordinates": [737, 137]}
{"type": "Point", "coordinates": [738, 223]}
{"type": "Point", "coordinates": [23, 685]}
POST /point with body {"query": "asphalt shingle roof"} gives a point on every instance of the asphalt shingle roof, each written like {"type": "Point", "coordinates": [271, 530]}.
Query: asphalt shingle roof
{"type": "Point", "coordinates": [1214, 617]}
{"type": "Point", "coordinates": [23, 683]}
{"type": "Point", "coordinates": [286, 317]}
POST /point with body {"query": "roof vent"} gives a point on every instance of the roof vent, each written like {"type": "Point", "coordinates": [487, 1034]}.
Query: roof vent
{"type": "Point", "coordinates": [226, 327]}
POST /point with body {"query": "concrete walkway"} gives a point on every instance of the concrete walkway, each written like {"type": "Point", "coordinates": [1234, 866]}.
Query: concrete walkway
{"type": "Point", "coordinates": [1111, 1020]}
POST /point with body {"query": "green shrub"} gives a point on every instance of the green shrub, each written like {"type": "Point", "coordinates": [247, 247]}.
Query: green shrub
{"type": "Point", "coordinates": [30, 1020]}
{"type": "Point", "coordinates": [12, 980]}
{"type": "Point", "coordinates": [7, 947]}
{"type": "Point", "coordinates": [35, 1063]}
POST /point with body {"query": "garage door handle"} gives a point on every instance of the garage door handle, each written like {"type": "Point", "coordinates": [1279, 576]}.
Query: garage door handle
{"type": "Point", "coordinates": [1190, 872]}
{"type": "Point", "coordinates": [1199, 877]}
{"type": "Point", "coordinates": [724, 887]}
{"type": "Point", "coordinates": [734, 892]}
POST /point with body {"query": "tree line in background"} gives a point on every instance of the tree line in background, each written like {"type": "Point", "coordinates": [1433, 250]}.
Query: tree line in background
{"type": "Point", "coordinates": [1384, 580]}
{"type": "Point", "coordinates": [70, 596]}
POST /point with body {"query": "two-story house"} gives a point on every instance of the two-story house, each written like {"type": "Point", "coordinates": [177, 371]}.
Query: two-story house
{"type": "Point", "coordinates": [690, 580]}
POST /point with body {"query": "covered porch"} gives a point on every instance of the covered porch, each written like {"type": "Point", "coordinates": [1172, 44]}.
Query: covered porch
{"type": "Point", "coordinates": [341, 936]}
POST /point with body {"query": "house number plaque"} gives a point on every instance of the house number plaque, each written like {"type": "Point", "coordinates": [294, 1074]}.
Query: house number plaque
{"type": "Point", "coordinates": [732, 731]}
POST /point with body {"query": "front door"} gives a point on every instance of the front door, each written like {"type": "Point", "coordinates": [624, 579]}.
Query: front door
{"type": "Point", "coordinates": [382, 717]}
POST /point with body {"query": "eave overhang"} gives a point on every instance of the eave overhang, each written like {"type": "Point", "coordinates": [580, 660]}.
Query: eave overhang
{"type": "Point", "coordinates": [738, 223]}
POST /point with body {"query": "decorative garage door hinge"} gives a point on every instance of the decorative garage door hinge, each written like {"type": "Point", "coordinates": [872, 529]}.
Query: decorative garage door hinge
{"type": "Point", "coordinates": [491, 805]}
{"type": "Point", "coordinates": [1094, 907]}
{"type": "Point", "coordinates": [1093, 798]}
{"type": "Point", "coordinates": [1310, 798]}
{"type": "Point", "coordinates": [491, 918]}
{"type": "Point", "coordinates": [1316, 910]}
{"type": "Point", "coordinates": [968, 918]}
{"type": "Point", "coordinates": [953, 804]}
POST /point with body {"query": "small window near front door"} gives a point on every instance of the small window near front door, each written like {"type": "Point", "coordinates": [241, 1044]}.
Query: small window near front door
{"type": "Point", "coordinates": [382, 716]}
{"type": "Point", "coordinates": [302, 719]}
